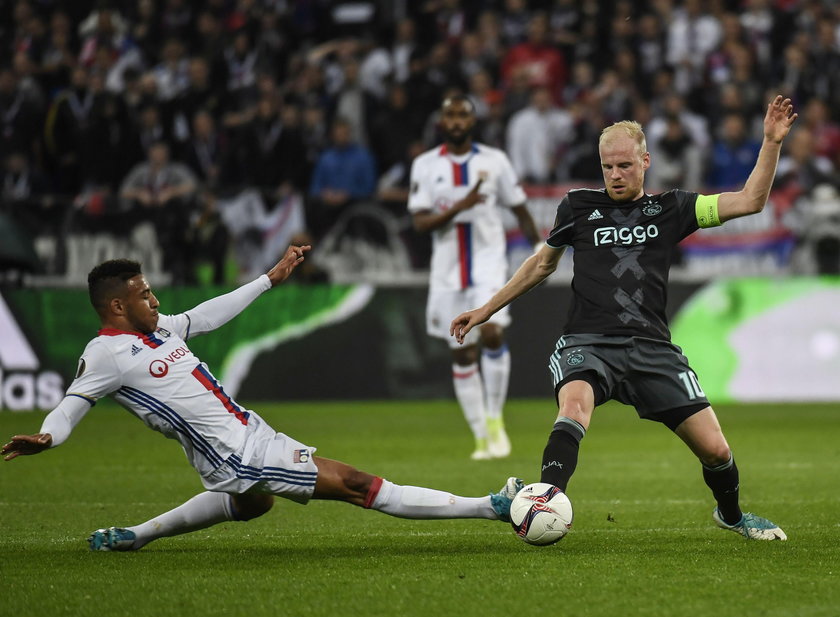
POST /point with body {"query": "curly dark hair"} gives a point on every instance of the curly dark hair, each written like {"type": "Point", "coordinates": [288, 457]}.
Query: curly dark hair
{"type": "Point", "coordinates": [107, 280]}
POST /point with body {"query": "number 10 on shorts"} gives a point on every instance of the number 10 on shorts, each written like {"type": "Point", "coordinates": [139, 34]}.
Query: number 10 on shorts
{"type": "Point", "coordinates": [692, 387]}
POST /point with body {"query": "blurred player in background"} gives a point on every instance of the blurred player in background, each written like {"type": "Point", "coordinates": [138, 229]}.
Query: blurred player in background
{"type": "Point", "coordinates": [141, 358]}
{"type": "Point", "coordinates": [457, 192]}
{"type": "Point", "coordinates": [617, 344]}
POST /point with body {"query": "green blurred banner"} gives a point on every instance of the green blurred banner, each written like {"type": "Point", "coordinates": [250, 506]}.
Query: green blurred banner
{"type": "Point", "coordinates": [747, 340]}
{"type": "Point", "coordinates": [758, 339]}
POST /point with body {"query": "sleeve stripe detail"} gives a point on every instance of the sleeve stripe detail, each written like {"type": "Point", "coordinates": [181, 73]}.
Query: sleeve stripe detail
{"type": "Point", "coordinates": [189, 325]}
{"type": "Point", "coordinates": [83, 397]}
{"type": "Point", "coordinates": [706, 210]}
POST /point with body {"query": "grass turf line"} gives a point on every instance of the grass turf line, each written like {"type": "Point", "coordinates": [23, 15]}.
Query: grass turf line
{"type": "Point", "coordinates": [643, 541]}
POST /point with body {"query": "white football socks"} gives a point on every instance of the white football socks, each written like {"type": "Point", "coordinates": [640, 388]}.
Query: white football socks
{"type": "Point", "coordinates": [203, 510]}
{"type": "Point", "coordinates": [495, 373]}
{"type": "Point", "coordinates": [470, 394]}
{"type": "Point", "coordinates": [425, 503]}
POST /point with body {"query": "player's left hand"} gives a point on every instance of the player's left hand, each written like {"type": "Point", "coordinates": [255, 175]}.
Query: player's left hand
{"type": "Point", "coordinates": [779, 118]}
{"type": "Point", "coordinates": [293, 258]}
{"type": "Point", "coordinates": [25, 445]}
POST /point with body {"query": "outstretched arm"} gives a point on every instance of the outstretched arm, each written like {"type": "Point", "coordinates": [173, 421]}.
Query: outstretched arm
{"type": "Point", "coordinates": [216, 312]}
{"type": "Point", "coordinates": [751, 199]}
{"type": "Point", "coordinates": [531, 273]}
{"type": "Point", "coordinates": [56, 428]}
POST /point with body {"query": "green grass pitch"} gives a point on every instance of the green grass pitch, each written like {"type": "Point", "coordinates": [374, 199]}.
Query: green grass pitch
{"type": "Point", "coordinates": [643, 541]}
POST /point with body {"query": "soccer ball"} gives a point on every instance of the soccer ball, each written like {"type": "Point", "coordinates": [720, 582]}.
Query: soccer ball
{"type": "Point", "coordinates": [541, 514]}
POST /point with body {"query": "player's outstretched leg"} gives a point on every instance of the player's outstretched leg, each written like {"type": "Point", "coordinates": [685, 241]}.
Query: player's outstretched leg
{"type": "Point", "coordinates": [751, 526]}
{"type": "Point", "coordinates": [343, 482]}
{"type": "Point", "coordinates": [203, 510]}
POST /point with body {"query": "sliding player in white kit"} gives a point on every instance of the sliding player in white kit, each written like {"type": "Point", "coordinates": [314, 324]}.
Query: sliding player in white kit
{"type": "Point", "coordinates": [457, 192]}
{"type": "Point", "coordinates": [141, 358]}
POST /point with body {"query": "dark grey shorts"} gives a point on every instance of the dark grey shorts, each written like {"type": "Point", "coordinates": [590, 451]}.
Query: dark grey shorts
{"type": "Point", "coordinates": [652, 376]}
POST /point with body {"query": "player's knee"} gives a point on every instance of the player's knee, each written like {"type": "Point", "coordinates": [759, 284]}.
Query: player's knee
{"type": "Point", "coordinates": [492, 336]}
{"type": "Point", "coordinates": [249, 507]}
{"type": "Point", "coordinates": [356, 482]}
{"type": "Point", "coordinates": [716, 455]}
{"type": "Point", "coordinates": [577, 408]}
{"type": "Point", "coordinates": [465, 356]}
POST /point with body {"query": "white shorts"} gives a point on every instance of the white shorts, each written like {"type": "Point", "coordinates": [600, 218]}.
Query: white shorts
{"type": "Point", "coordinates": [444, 305]}
{"type": "Point", "coordinates": [278, 465]}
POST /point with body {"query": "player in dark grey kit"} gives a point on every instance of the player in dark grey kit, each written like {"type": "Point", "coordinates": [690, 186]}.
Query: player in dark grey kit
{"type": "Point", "coordinates": [617, 343]}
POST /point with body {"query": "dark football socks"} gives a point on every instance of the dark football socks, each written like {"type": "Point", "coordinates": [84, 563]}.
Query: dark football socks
{"type": "Point", "coordinates": [561, 452]}
{"type": "Point", "coordinates": [723, 480]}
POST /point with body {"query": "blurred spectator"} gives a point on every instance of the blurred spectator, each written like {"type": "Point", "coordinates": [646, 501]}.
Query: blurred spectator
{"type": "Point", "coordinates": [207, 152]}
{"type": "Point", "coordinates": [816, 220]}
{"type": "Point", "coordinates": [274, 148]}
{"type": "Point", "coordinates": [25, 190]}
{"type": "Point", "coordinates": [676, 161]}
{"type": "Point", "coordinates": [353, 103]}
{"type": "Point", "coordinates": [650, 46]}
{"type": "Point", "coordinates": [800, 167]}
{"type": "Point", "coordinates": [172, 72]}
{"type": "Point", "coordinates": [692, 35]}
{"type": "Point", "coordinates": [733, 155]}
{"type": "Point", "coordinates": [59, 56]}
{"type": "Point", "coordinates": [112, 145]}
{"type": "Point", "coordinates": [816, 118]}
{"type": "Point", "coordinates": [390, 146]}
{"type": "Point", "coordinates": [207, 239]}
{"type": "Point", "coordinates": [241, 64]}
{"type": "Point", "coordinates": [480, 85]}
{"type": "Point", "coordinates": [441, 70]}
{"type": "Point", "coordinates": [537, 138]}
{"type": "Point", "coordinates": [514, 22]}
{"type": "Point", "coordinates": [163, 191]}
{"type": "Point", "coordinates": [405, 42]}
{"type": "Point", "coordinates": [64, 134]}
{"type": "Point", "coordinates": [151, 129]}
{"type": "Point", "coordinates": [673, 106]}
{"type": "Point", "coordinates": [20, 120]}
{"type": "Point", "coordinates": [491, 130]}
{"type": "Point", "coordinates": [543, 65]}
{"type": "Point", "coordinates": [200, 93]}
{"type": "Point", "coordinates": [422, 95]}
{"type": "Point", "coordinates": [345, 173]}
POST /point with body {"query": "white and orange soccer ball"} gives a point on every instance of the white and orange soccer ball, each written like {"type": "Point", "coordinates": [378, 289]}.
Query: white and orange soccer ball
{"type": "Point", "coordinates": [541, 514]}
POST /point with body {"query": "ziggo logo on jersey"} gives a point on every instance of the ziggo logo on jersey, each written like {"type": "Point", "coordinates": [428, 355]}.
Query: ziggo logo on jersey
{"type": "Point", "coordinates": [625, 235]}
{"type": "Point", "coordinates": [159, 368]}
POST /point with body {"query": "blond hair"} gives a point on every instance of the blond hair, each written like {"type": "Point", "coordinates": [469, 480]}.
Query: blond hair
{"type": "Point", "coordinates": [631, 129]}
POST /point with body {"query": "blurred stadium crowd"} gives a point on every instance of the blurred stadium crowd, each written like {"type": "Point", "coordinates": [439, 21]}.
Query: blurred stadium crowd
{"type": "Point", "coordinates": [231, 127]}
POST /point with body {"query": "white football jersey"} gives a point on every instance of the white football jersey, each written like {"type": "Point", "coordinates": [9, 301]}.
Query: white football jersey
{"type": "Point", "coordinates": [158, 379]}
{"type": "Point", "coordinates": [471, 249]}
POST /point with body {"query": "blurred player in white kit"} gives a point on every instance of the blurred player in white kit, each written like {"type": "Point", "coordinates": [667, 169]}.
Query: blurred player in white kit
{"type": "Point", "coordinates": [457, 192]}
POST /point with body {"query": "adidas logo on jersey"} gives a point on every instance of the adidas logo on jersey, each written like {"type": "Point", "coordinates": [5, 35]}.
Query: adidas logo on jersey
{"type": "Point", "coordinates": [135, 350]}
{"type": "Point", "coordinates": [595, 216]}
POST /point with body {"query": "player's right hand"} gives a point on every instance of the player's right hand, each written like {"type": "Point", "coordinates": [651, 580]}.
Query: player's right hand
{"type": "Point", "coordinates": [465, 322]}
{"type": "Point", "coordinates": [26, 444]}
{"type": "Point", "coordinates": [472, 198]}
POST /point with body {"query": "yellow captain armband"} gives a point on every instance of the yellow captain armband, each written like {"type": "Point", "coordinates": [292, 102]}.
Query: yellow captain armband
{"type": "Point", "coordinates": [706, 210]}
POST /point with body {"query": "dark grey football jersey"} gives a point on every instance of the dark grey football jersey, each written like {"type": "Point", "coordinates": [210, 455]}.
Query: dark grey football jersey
{"type": "Point", "coordinates": [622, 255]}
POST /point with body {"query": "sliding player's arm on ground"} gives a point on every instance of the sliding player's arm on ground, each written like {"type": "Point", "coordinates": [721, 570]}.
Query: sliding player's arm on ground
{"type": "Point", "coordinates": [97, 376]}
{"type": "Point", "coordinates": [531, 273]}
{"type": "Point", "coordinates": [217, 311]}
